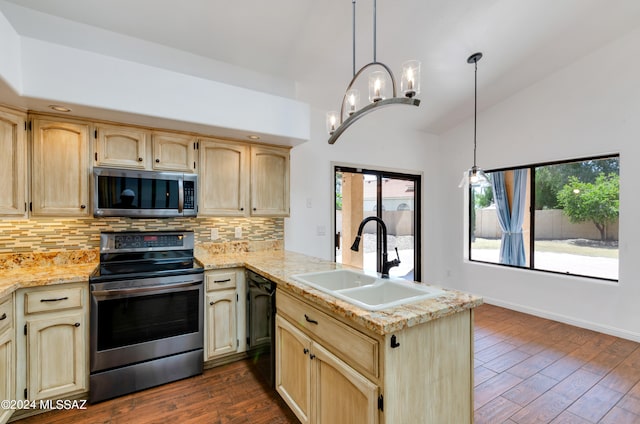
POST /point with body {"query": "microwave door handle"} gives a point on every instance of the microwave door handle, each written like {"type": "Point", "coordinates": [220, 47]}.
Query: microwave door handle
{"type": "Point", "coordinates": [180, 195]}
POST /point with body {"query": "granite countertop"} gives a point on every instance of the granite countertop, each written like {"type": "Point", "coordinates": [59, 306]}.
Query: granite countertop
{"type": "Point", "coordinates": [18, 271]}
{"type": "Point", "coordinates": [21, 271]}
{"type": "Point", "coordinates": [280, 266]}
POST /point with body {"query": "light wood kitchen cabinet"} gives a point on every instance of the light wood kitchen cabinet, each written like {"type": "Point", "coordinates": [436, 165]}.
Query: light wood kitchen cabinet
{"type": "Point", "coordinates": [293, 368]}
{"type": "Point", "coordinates": [53, 351]}
{"type": "Point", "coordinates": [13, 163]}
{"type": "Point", "coordinates": [121, 147]}
{"type": "Point", "coordinates": [173, 152]}
{"type": "Point", "coordinates": [7, 355]}
{"type": "Point", "coordinates": [317, 385]}
{"type": "Point", "coordinates": [269, 181]}
{"type": "Point", "coordinates": [240, 180]}
{"type": "Point", "coordinates": [60, 168]}
{"type": "Point", "coordinates": [223, 310]}
{"type": "Point", "coordinates": [420, 374]}
{"type": "Point", "coordinates": [224, 178]}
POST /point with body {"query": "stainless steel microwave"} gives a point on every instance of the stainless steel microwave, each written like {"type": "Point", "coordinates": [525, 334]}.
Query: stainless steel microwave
{"type": "Point", "coordinates": [144, 194]}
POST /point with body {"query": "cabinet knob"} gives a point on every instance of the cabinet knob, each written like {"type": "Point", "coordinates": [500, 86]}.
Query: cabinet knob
{"type": "Point", "coordinates": [77, 324]}
{"type": "Point", "coordinates": [139, 159]}
{"type": "Point", "coordinates": [254, 209]}
{"type": "Point", "coordinates": [211, 303]}
{"type": "Point", "coordinates": [157, 160]}
{"type": "Point", "coordinates": [312, 356]}
{"type": "Point", "coordinates": [83, 206]}
{"type": "Point", "coordinates": [241, 209]}
{"type": "Point", "coordinates": [305, 351]}
{"type": "Point", "coordinates": [4, 316]}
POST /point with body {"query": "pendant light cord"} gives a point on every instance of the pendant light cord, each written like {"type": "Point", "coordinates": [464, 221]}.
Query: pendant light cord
{"type": "Point", "coordinates": [475, 111]}
{"type": "Point", "coordinates": [354, 37]}
{"type": "Point", "coordinates": [374, 30]}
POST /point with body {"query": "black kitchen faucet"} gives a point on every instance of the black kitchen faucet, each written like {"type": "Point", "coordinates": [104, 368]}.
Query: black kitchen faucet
{"type": "Point", "coordinates": [386, 265]}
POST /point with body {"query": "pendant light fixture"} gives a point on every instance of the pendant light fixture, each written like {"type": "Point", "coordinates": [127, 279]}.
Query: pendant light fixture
{"type": "Point", "coordinates": [475, 176]}
{"type": "Point", "coordinates": [379, 81]}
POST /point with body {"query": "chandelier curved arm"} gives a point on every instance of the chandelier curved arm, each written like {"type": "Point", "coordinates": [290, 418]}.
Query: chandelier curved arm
{"type": "Point", "coordinates": [370, 108]}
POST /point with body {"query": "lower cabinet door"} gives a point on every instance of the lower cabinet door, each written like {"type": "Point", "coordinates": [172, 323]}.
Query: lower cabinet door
{"type": "Point", "coordinates": [342, 395]}
{"type": "Point", "coordinates": [293, 368]}
{"type": "Point", "coordinates": [7, 371]}
{"type": "Point", "coordinates": [221, 336]}
{"type": "Point", "coordinates": [57, 356]}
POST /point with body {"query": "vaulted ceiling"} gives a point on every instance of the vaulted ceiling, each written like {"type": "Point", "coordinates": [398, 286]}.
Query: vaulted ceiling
{"type": "Point", "coordinates": [308, 42]}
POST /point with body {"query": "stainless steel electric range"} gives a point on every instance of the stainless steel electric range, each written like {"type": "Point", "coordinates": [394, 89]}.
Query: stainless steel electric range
{"type": "Point", "coordinates": [146, 312]}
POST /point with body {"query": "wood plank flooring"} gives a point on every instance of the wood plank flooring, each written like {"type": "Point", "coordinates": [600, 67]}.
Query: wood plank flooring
{"type": "Point", "coordinates": [533, 370]}
{"type": "Point", "coordinates": [527, 370]}
{"type": "Point", "coordinates": [230, 394]}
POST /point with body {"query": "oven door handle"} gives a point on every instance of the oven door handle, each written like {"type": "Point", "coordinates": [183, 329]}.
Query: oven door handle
{"type": "Point", "coordinates": [117, 292]}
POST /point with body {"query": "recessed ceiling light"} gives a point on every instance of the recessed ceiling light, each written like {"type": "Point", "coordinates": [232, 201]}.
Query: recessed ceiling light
{"type": "Point", "coordinates": [253, 137]}
{"type": "Point", "coordinates": [59, 108]}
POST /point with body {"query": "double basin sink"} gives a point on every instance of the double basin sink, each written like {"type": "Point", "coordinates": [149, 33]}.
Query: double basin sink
{"type": "Point", "coordinates": [368, 291]}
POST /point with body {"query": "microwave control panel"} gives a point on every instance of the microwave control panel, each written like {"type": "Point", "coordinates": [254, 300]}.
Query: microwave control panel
{"type": "Point", "coordinates": [189, 195]}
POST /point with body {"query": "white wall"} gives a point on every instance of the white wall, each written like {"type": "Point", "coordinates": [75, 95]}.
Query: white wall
{"type": "Point", "coordinates": [378, 141]}
{"type": "Point", "coordinates": [588, 108]}
{"type": "Point", "coordinates": [42, 72]}
{"type": "Point", "coordinates": [10, 48]}
{"type": "Point", "coordinates": [53, 71]}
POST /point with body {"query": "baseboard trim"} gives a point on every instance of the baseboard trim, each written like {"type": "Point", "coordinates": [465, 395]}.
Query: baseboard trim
{"type": "Point", "coordinates": [589, 325]}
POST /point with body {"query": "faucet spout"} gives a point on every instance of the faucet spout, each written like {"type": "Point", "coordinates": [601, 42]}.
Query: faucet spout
{"type": "Point", "coordinates": [386, 264]}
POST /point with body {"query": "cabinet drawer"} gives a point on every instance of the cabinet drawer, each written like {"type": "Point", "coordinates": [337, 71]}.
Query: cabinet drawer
{"type": "Point", "coordinates": [354, 347]}
{"type": "Point", "coordinates": [220, 280]}
{"type": "Point", "coordinates": [52, 300]}
{"type": "Point", "coordinates": [6, 314]}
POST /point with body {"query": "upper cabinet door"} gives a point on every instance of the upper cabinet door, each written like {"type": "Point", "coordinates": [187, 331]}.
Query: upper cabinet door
{"type": "Point", "coordinates": [13, 163]}
{"type": "Point", "coordinates": [121, 147]}
{"type": "Point", "coordinates": [269, 181]}
{"type": "Point", "coordinates": [224, 179]}
{"type": "Point", "coordinates": [174, 152]}
{"type": "Point", "coordinates": [60, 178]}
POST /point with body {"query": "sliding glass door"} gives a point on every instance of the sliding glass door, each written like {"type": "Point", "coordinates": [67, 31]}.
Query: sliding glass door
{"type": "Point", "coordinates": [392, 197]}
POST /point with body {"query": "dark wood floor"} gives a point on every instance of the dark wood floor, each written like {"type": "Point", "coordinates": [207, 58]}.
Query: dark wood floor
{"type": "Point", "coordinates": [230, 394]}
{"type": "Point", "coordinates": [527, 370]}
{"type": "Point", "coordinates": [533, 370]}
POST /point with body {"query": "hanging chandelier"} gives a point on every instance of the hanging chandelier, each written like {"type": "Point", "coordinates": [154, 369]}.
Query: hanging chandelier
{"type": "Point", "coordinates": [475, 176]}
{"type": "Point", "coordinates": [350, 110]}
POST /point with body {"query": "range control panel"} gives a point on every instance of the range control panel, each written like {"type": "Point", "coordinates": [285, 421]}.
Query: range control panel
{"type": "Point", "coordinates": [129, 241]}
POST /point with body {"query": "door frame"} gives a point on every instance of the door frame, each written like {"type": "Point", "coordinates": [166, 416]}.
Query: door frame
{"type": "Point", "coordinates": [390, 173]}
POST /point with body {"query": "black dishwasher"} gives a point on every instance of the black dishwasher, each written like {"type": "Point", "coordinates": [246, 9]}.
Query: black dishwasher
{"type": "Point", "coordinates": [261, 310]}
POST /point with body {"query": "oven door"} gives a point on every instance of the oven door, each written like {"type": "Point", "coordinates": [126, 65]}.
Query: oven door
{"type": "Point", "coordinates": [137, 320]}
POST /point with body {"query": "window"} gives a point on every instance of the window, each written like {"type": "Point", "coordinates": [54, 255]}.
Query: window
{"type": "Point", "coordinates": [392, 197]}
{"type": "Point", "coordinates": [558, 217]}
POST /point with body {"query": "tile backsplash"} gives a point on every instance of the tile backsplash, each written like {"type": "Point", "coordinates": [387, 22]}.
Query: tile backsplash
{"type": "Point", "coordinates": [51, 234]}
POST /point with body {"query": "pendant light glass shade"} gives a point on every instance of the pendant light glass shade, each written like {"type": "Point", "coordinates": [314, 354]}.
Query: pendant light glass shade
{"type": "Point", "coordinates": [332, 121]}
{"type": "Point", "coordinates": [410, 82]}
{"type": "Point", "coordinates": [377, 85]}
{"type": "Point", "coordinates": [352, 102]}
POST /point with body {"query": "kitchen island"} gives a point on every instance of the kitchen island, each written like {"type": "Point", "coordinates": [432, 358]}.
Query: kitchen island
{"type": "Point", "coordinates": [336, 362]}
